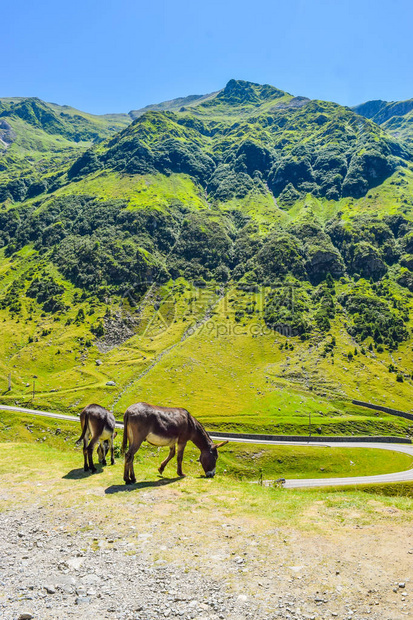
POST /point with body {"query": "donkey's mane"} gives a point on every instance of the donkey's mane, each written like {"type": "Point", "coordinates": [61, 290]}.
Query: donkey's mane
{"type": "Point", "coordinates": [199, 427]}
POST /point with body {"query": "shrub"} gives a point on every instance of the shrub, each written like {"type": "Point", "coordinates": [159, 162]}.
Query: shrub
{"type": "Point", "coordinates": [98, 330]}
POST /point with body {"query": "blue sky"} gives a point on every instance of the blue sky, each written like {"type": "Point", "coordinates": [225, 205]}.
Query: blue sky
{"type": "Point", "coordinates": [113, 56]}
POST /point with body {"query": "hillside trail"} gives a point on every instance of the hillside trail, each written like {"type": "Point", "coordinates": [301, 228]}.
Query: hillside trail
{"type": "Point", "coordinates": [190, 331]}
{"type": "Point", "coordinates": [72, 547]}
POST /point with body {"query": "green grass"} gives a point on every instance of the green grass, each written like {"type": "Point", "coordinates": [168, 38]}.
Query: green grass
{"type": "Point", "coordinates": [149, 191]}
{"type": "Point", "coordinates": [237, 461]}
{"type": "Point", "coordinates": [245, 462]}
{"type": "Point", "coordinates": [388, 489]}
{"type": "Point", "coordinates": [49, 472]}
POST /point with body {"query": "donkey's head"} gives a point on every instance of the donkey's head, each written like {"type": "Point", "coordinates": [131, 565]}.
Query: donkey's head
{"type": "Point", "coordinates": [209, 457]}
{"type": "Point", "coordinates": [103, 449]}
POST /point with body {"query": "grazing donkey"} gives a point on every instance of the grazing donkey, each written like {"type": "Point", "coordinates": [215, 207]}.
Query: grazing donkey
{"type": "Point", "coordinates": [166, 426]}
{"type": "Point", "coordinates": [98, 426]}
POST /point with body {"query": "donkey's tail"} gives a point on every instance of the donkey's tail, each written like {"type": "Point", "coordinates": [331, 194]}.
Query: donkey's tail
{"type": "Point", "coordinates": [84, 429]}
{"type": "Point", "coordinates": [125, 432]}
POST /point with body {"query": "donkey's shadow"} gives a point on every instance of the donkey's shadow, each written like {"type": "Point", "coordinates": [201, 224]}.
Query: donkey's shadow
{"type": "Point", "coordinates": [78, 474]}
{"type": "Point", "coordinates": [149, 484]}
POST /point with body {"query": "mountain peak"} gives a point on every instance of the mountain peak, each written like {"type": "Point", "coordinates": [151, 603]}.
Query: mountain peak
{"type": "Point", "coordinates": [238, 92]}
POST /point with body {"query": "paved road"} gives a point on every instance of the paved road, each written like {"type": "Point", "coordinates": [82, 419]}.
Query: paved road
{"type": "Point", "coordinates": [46, 414]}
{"type": "Point", "coordinates": [296, 483]}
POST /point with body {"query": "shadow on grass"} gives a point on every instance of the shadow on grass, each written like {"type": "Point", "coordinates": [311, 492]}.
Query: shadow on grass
{"type": "Point", "coordinates": [150, 484]}
{"type": "Point", "coordinates": [78, 474]}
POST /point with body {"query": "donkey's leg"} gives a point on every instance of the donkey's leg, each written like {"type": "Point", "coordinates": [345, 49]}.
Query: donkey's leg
{"type": "Point", "coordinates": [181, 448]}
{"type": "Point", "coordinates": [85, 443]}
{"type": "Point", "coordinates": [112, 458]}
{"type": "Point", "coordinates": [168, 458]}
{"type": "Point", "coordinates": [90, 449]}
{"type": "Point", "coordinates": [129, 474]}
{"type": "Point", "coordinates": [104, 447]}
{"type": "Point", "coordinates": [101, 453]}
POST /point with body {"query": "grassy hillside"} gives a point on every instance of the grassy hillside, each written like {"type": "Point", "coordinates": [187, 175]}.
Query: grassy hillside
{"type": "Point", "coordinates": [37, 138]}
{"type": "Point", "coordinates": [232, 375]}
{"type": "Point", "coordinates": [247, 256]}
{"type": "Point", "coordinates": [396, 117]}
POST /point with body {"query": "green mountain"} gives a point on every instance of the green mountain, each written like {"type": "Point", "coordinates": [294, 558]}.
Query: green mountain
{"type": "Point", "coordinates": [396, 117]}
{"type": "Point", "coordinates": [37, 138]}
{"type": "Point", "coordinates": [247, 254]}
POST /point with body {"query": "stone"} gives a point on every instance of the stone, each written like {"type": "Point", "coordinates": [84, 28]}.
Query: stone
{"type": "Point", "coordinates": [111, 383]}
{"type": "Point", "coordinates": [75, 563]}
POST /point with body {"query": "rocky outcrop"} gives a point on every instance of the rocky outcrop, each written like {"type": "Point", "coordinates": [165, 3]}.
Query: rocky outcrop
{"type": "Point", "coordinates": [323, 261]}
{"type": "Point", "coordinates": [7, 135]}
{"type": "Point", "coordinates": [406, 279]}
{"type": "Point", "coordinates": [407, 261]}
{"type": "Point", "coordinates": [367, 262]}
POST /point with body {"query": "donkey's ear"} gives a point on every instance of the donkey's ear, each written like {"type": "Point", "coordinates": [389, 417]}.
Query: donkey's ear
{"type": "Point", "coordinates": [114, 434]}
{"type": "Point", "coordinates": [223, 443]}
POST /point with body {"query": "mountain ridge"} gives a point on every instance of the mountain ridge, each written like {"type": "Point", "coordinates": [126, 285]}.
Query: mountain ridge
{"type": "Point", "coordinates": [367, 109]}
{"type": "Point", "coordinates": [283, 138]}
{"type": "Point", "coordinates": [395, 117]}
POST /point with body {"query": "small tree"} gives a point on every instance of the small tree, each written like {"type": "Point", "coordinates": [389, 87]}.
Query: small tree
{"type": "Point", "coordinates": [80, 317]}
{"type": "Point", "coordinates": [98, 329]}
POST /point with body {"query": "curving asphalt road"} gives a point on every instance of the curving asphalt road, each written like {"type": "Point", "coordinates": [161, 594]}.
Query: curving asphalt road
{"type": "Point", "coordinates": [402, 476]}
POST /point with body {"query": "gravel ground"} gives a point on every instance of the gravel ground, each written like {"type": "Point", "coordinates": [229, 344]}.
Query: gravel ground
{"type": "Point", "coordinates": [49, 572]}
{"type": "Point", "coordinates": [52, 569]}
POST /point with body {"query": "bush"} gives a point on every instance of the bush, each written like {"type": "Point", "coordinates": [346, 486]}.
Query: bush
{"type": "Point", "coordinates": [98, 330]}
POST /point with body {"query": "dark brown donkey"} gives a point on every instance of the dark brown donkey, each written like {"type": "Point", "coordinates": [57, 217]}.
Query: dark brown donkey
{"type": "Point", "coordinates": [98, 426]}
{"type": "Point", "coordinates": [166, 426]}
